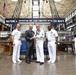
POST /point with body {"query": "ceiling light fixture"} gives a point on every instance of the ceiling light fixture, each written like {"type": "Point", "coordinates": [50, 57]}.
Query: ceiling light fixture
{"type": "Point", "coordinates": [46, 1]}
{"type": "Point", "coordinates": [57, 0]}
{"type": "Point", "coordinates": [24, 1]}
{"type": "Point", "coordinates": [14, 0]}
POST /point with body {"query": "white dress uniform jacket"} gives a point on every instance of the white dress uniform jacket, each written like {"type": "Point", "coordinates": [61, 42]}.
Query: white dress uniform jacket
{"type": "Point", "coordinates": [75, 44]}
{"type": "Point", "coordinates": [39, 46]}
{"type": "Point", "coordinates": [51, 37]}
{"type": "Point", "coordinates": [16, 47]}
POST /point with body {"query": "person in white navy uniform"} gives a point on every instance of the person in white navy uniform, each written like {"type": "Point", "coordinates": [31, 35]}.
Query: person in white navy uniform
{"type": "Point", "coordinates": [39, 45]}
{"type": "Point", "coordinates": [52, 37]}
{"type": "Point", "coordinates": [16, 38]}
{"type": "Point", "coordinates": [74, 43]}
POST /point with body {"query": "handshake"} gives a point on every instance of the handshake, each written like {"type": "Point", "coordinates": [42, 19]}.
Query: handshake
{"type": "Point", "coordinates": [32, 38]}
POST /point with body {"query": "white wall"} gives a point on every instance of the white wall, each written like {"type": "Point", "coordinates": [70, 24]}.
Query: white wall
{"type": "Point", "coordinates": [25, 26]}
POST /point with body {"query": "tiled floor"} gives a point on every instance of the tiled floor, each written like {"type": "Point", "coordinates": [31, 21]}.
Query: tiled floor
{"type": "Point", "coordinates": [65, 65]}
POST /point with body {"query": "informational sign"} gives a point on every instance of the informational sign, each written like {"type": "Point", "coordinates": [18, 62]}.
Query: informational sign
{"type": "Point", "coordinates": [15, 20]}
{"type": "Point", "coordinates": [70, 16]}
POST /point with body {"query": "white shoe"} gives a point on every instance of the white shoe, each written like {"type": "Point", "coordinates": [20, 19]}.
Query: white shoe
{"type": "Point", "coordinates": [19, 61]}
{"type": "Point", "coordinates": [52, 61]}
{"type": "Point", "coordinates": [14, 62]}
{"type": "Point", "coordinates": [49, 61]}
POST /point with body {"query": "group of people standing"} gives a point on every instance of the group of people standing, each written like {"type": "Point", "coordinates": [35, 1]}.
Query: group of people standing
{"type": "Point", "coordinates": [30, 36]}
{"type": "Point", "coordinates": [38, 36]}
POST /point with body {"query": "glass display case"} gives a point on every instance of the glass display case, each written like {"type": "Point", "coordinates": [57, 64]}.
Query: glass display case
{"type": "Point", "coordinates": [65, 35]}
{"type": "Point", "coordinates": [6, 42]}
{"type": "Point", "coordinates": [4, 35]}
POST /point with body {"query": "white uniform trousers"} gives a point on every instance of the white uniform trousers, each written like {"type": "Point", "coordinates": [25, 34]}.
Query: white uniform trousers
{"type": "Point", "coordinates": [39, 50]}
{"type": "Point", "coordinates": [75, 48]}
{"type": "Point", "coordinates": [16, 50]}
{"type": "Point", "coordinates": [52, 50]}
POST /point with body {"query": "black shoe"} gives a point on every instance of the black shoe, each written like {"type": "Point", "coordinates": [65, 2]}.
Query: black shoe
{"type": "Point", "coordinates": [37, 62]}
{"type": "Point", "coordinates": [28, 62]}
{"type": "Point", "coordinates": [41, 63]}
{"type": "Point", "coordinates": [34, 58]}
{"type": "Point", "coordinates": [31, 60]}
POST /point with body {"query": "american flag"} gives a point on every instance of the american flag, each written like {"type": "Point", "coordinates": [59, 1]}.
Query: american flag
{"type": "Point", "coordinates": [4, 6]}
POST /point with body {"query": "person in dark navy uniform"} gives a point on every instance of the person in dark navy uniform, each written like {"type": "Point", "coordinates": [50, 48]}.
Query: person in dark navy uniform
{"type": "Point", "coordinates": [29, 36]}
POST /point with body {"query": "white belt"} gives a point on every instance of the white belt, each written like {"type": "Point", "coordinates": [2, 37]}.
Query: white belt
{"type": "Point", "coordinates": [17, 39]}
{"type": "Point", "coordinates": [50, 40]}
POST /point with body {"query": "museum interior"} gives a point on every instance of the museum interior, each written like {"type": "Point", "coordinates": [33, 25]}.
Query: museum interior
{"type": "Point", "coordinates": [62, 16]}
